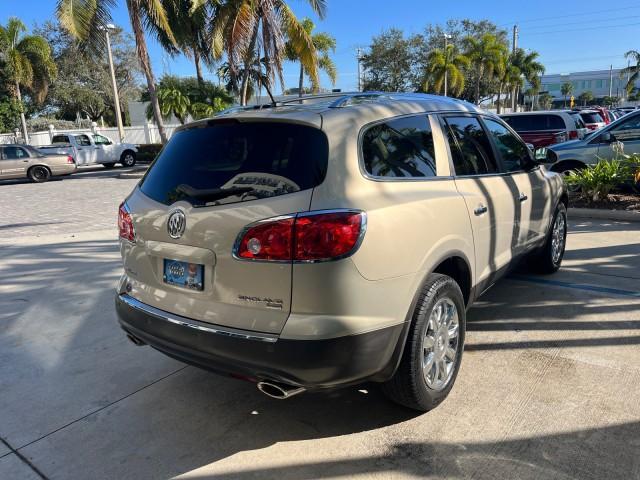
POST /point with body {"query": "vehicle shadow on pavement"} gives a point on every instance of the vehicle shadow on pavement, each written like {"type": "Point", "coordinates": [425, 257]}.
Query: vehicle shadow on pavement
{"type": "Point", "coordinates": [558, 456]}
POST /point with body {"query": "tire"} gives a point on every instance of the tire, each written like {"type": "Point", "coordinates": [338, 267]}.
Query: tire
{"type": "Point", "coordinates": [108, 166]}
{"type": "Point", "coordinates": [39, 174]}
{"type": "Point", "coordinates": [571, 167]}
{"type": "Point", "coordinates": [414, 384]}
{"type": "Point", "coordinates": [128, 158]}
{"type": "Point", "coordinates": [548, 259]}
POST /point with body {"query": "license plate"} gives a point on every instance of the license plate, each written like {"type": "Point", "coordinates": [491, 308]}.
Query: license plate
{"type": "Point", "coordinates": [183, 274]}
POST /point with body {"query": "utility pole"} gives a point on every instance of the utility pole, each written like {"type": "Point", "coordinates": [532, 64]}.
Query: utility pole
{"type": "Point", "coordinates": [359, 54]}
{"type": "Point", "coordinates": [514, 46]}
{"type": "Point", "coordinates": [114, 84]}
{"type": "Point", "coordinates": [610, 81]}
{"type": "Point", "coordinates": [446, 63]}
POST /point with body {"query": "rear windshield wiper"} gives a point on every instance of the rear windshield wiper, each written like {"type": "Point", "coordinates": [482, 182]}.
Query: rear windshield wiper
{"type": "Point", "coordinates": [211, 194]}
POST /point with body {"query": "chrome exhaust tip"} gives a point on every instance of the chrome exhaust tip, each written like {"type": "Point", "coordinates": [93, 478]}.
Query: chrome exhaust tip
{"type": "Point", "coordinates": [135, 340]}
{"type": "Point", "coordinates": [279, 391]}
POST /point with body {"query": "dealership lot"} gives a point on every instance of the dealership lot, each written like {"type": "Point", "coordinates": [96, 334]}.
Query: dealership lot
{"type": "Point", "coordinates": [549, 385]}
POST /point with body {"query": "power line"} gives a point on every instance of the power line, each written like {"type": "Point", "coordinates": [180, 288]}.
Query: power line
{"type": "Point", "coordinates": [551, 32]}
{"type": "Point", "coordinates": [582, 14]}
{"type": "Point", "coordinates": [600, 20]}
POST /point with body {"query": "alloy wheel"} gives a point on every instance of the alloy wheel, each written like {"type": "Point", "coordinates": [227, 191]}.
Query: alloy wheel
{"type": "Point", "coordinates": [440, 344]}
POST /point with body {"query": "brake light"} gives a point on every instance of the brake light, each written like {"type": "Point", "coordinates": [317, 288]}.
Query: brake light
{"type": "Point", "coordinates": [125, 223]}
{"type": "Point", "coordinates": [315, 236]}
{"type": "Point", "coordinates": [70, 159]}
{"type": "Point", "coordinates": [573, 134]}
{"type": "Point", "coordinates": [271, 240]}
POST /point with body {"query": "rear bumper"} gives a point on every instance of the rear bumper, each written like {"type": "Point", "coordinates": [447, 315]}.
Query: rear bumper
{"type": "Point", "coordinates": [313, 364]}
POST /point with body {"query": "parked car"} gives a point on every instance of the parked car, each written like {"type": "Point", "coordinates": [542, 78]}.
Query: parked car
{"type": "Point", "coordinates": [575, 155]}
{"type": "Point", "coordinates": [543, 128]}
{"type": "Point", "coordinates": [593, 119]}
{"type": "Point", "coordinates": [24, 161]}
{"type": "Point", "coordinates": [90, 148]}
{"type": "Point", "coordinates": [581, 128]}
{"type": "Point", "coordinates": [278, 246]}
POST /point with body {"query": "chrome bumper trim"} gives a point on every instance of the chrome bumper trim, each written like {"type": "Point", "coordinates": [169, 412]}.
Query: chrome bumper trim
{"type": "Point", "coordinates": [195, 324]}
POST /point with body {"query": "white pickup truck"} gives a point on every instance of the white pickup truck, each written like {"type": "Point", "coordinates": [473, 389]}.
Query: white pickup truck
{"type": "Point", "coordinates": [90, 148]}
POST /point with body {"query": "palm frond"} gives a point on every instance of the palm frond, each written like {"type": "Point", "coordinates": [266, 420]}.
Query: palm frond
{"type": "Point", "coordinates": [302, 42]}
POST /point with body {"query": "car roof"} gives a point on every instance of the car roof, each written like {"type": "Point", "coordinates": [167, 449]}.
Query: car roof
{"type": "Point", "coordinates": [313, 108]}
{"type": "Point", "coordinates": [537, 112]}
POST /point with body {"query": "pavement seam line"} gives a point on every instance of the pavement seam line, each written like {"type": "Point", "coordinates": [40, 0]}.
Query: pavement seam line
{"type": "Point", "coordinates": [24, 459]}
{"type": "Point", "coordinates": [99, 409]}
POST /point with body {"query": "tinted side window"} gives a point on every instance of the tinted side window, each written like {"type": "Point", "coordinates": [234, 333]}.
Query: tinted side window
{"type": "Point", "coordinates": [470, 147]}
{"type": "Point", "coordinates": [60, 139]}
{"type": "Point", "coordinates": [83, 140]}
{"type": "Point", "coordinates": [400, 148]}
{"type": "Point", "coordinates": [628, 129]}
{"type": "Point", "coordinates": [556, 122]}
{"type": "Point", "coordinates": [15, 153]}
{"type": "Point", "coordinates": [520, 123]}
{"type": "Point", "coordinates": [514, 153]}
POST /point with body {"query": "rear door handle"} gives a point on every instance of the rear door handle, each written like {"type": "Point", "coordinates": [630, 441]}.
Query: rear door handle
{"type": "Point", "coordinates": [480, 209]}
{"type": "Point", "coordinates": [523, 197]}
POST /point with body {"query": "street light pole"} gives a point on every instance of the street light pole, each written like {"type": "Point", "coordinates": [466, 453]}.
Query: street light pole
{"type": "Point", "coordinates": [116, 97]}
{"type": "Point", "coordinates": [446, 64]}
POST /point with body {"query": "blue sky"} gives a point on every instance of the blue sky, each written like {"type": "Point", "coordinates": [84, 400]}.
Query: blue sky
{"type": "Point", "coordinates": [570, 36]}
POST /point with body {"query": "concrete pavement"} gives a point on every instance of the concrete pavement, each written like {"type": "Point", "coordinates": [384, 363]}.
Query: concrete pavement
{"type": "Point", "coordinates": [549, 386]}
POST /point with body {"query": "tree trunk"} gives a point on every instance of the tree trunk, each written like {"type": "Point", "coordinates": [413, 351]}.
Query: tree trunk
{"type": "Point", "coordinates": [499, 98]}
{"type": "Point", "coordinates": [145, 63]}
{"type": "Point", "coordinates": [23, 120]}
{"type": "Point", "coordinates": [196, 60]}
{"type": "Point", "coordinates": [247, 64]}
{"type": "Point", "coordinates": [301, 81]}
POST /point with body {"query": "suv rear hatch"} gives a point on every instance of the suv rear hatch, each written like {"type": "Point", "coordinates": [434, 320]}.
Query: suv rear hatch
{"type": "Point", "coordinates": [222, 175]}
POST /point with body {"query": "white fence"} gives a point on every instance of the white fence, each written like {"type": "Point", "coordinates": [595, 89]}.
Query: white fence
{"type": "Point", "coordinates": [138, 135]}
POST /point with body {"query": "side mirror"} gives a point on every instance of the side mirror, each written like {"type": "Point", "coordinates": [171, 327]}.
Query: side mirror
{"type": "Point", "coordinates": [531, 147]}
{"type": "Point", "coordinates": [607, 137]}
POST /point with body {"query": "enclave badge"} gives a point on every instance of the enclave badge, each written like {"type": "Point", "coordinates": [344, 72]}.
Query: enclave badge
{"type": "Point", "coordinates": [176, 223]}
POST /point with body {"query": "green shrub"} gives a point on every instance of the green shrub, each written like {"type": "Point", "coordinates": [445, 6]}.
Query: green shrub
{"type": "Point", "coordinates": [595, 182]}
{"type": "Point", "coordinates": [147, 152]}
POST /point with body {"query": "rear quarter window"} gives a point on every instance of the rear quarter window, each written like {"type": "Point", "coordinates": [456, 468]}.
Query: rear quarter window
{"type": "Point", "coordinates": [399, 148]}
{"type": "Point", "coordinates": [269, 158]}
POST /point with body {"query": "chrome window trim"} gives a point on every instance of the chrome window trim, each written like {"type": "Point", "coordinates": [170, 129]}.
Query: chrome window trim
{"type": "Point", "coordinates": [363, 229]}
{"type": "Point", "coordinates": [195, 324]}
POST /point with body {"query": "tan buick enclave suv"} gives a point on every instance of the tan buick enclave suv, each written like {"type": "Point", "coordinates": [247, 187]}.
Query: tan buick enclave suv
{"type": "Point", "coordinates": [331, 240]}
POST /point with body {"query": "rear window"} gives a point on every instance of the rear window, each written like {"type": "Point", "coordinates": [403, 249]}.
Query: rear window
{"type": "Point", "coordinates": [591, 117]}
{"type": "Point", "coordinates": [524, 123]}
{"type": "Point", "coordinates": [578, 119]}
{"type": "Point", "coordinates": [265, 159]}
{"type": "Point", "coordinates": [60, 139]}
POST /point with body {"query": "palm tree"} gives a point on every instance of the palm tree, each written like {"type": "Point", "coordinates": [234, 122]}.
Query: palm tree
{"type": "Point", "coordinates": [238, 25]}
{"type": "Point", "coordinates": [508, 76]}
{"type": "Point", "coordinates": [484, 55]}
{"type": "Point", "coordinates": [566, 89]}
{"type": "Point", "coordinates": [324, 44]}
{"type": "Point", "coordinates": [633, 70]}
{"type": "Point", "coordinates": [28, 62]}
{"type": "Point", "coordinates": [586, 97]}
{"type": "Point", "coordinates": [172, 101]}
{"type": "Point", "coordinates": [447, 62]}
{"type": "Point", "coordinates": [86, 20]}
{"type": "Point", "coordinates": [530, 69]}
{"type": "Point", "coordinates": [189, 21]}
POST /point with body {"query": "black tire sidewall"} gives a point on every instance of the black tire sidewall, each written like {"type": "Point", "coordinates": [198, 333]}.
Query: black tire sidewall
{"type": "Point", "coordinates": [45, 170]}
{"type": "Point", "coordinates": [409, 377]}
{"type": "Point", "coordinates": [124, 154]}
{"type": "Point", "coordinates": [548, 265]}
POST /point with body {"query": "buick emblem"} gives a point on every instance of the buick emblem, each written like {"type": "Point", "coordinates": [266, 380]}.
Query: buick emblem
{"type": "Point", "coordinates": [176, 223]}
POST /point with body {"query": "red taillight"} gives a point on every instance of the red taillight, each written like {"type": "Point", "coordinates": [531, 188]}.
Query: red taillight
{"type": "Point", "coordinates": [271, 240]}
{"type": "Point", "coordinates": [307, 237]}
{"type": "Point", "coordinates": [125, 223]}
{"type": "Point", "coordinates": [70, 159]}
{"type": "Point", "coordinates": [573, 134]}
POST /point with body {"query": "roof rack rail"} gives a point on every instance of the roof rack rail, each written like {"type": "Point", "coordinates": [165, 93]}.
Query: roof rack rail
{"type": "Point", "coordinates": [346, 99]}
